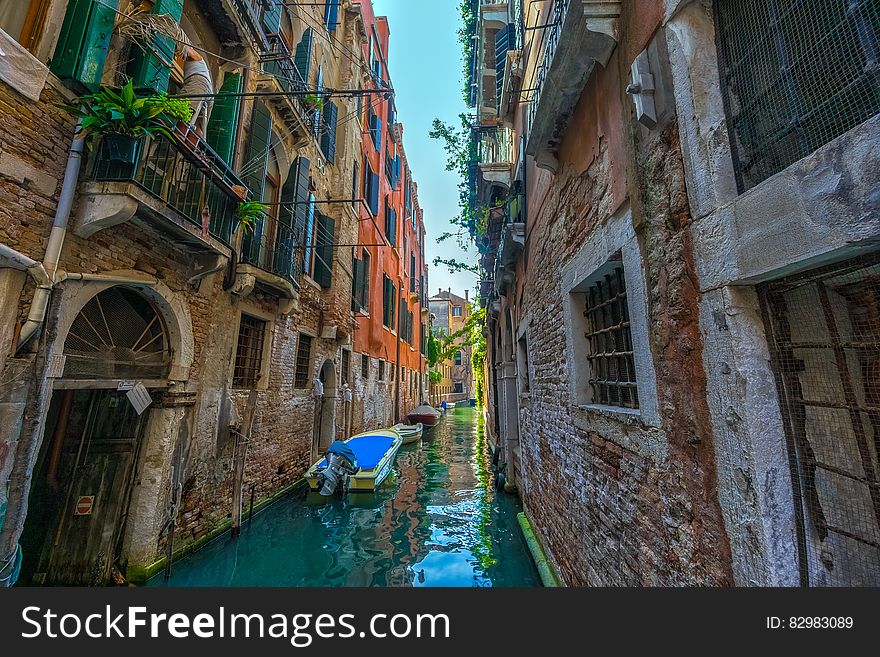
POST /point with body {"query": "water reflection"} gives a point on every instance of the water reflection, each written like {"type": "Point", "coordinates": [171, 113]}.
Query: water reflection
{"type": "Point", "coordinates": [435, 522]}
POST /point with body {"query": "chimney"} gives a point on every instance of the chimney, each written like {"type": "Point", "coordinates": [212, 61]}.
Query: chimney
{"type": "Point", "coordinates": [467, 294]}
{"type": "Point", "coordinates": [439, 291]}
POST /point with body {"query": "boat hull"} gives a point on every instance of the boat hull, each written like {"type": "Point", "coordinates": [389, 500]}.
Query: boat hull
{"type": "Point", "coordinates": [365, 480]}
{"type": "Point", "coordinates": [409, 433]}
{"type": "Point", "coordinates": [425, 415]}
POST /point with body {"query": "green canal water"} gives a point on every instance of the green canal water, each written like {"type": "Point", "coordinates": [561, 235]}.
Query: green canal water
{"type": "Point", "coordinates": [436, 521]}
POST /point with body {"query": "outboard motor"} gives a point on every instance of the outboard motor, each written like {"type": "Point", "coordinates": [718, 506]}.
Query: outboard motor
{"type": "Point", "coordinates": [341, 462]}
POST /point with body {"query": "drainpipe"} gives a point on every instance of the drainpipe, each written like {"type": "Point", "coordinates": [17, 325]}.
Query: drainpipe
{"type": "Point", "coordinates": [46, 275]}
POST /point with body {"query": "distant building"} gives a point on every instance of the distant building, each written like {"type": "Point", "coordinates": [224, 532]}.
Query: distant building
{"type": "Point", "coordinates": [450, 314]}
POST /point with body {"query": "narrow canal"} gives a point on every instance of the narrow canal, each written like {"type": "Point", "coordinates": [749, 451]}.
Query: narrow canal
{"type": "Point", "coordinates": [437, 521]}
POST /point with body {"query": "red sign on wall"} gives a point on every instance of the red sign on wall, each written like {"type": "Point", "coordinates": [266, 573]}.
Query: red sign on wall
{"type": "Point", "coordinates": [84, 505]}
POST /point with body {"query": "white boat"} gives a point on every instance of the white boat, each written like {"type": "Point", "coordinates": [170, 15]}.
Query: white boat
{"type": "Point", "coordinates": [409, 432]}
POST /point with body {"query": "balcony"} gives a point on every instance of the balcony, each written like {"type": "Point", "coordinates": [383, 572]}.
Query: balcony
{"type": "Point", "coordinates": [178, 188]}
{"type": "Point", "coordinates": [270, 259]}
{"type": "Point", "coordinates": [495, 154]}
{"type": "Point", "coordinates": [581, 33]}
{"type": "Point", "coordinates": [280, 75]}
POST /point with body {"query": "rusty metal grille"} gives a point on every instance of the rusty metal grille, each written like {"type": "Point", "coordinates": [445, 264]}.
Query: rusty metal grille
{"type": "Point", "coordinates": [795, 74]}
{"type": "Point", "coordinates": [249, 353]}
{"type": "Point", "coordinates": [825, 343]}
{"type": "Point", "coordinates": [117, 335]}
{"type": "Point", "coordinates": [365, 367]}
{"type": "Point", "coordinates": [612, 369]}
{"type": "Point", "coordinates": [346, 365]}
{"type": "Point", "coordinates": [303, 358]}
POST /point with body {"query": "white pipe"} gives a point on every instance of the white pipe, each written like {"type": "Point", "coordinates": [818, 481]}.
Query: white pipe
{"type": "Point", "coordinates": [15, 259]}
{"type": "Point", "coordinates": [40, 303]}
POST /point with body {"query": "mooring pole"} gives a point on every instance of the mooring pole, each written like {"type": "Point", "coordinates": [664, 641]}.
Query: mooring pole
{"type": "Point", "coordinates": [251, 508]}
{"type": "Point", "coordinates": [241, 443]}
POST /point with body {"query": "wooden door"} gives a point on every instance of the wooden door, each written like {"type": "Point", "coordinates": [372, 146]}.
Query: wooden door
{"type": "Point", "coordinates": [96, 493]}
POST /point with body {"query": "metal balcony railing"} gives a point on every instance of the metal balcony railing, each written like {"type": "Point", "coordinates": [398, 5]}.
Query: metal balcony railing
{"type": "Point", "coordinates": [555, 21]}
{"type": "Point", "coordinates": [273, 247]}
{"type": "Point", "coordinates": [188, 176]}
{"type": "Point", "coordinates": [494, 146]}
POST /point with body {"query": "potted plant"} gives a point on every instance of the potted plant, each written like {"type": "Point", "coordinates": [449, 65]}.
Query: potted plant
{"type": "Point", "coordinates": [121, 118]}
{"type": "Point", "coordinates": [249, 213]}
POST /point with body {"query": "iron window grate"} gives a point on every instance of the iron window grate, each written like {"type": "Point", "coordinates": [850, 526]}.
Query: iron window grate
{"type": "Point", "coordinates": [794, 75]}
{"type": "Point", "coordinates": [612, 368]}
{"type": "Point", "coordinates": [346, 365]}
{"type": "Point", "coordinates": [365, 367]}
{"type": "Point", "coordinates": [249, 353]}
{"type": "Point", "coordinates": [303, 357]}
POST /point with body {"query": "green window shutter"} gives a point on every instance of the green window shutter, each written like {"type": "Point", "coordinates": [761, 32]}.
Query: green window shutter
{"type": "Point", "coordinates": [357, 283]}
{"type": "Point", "coordinates": [303, 57]}
{"type": "Point", "coordinates": [256, 160]}
{"type": "Point", "coordinates": [224, 118]}
{"type": "Point", "coordinates": [147, 68]}
{"type": "Point", "coordinates": [297, 185]}
{"type": "Point", "coordinates": [324, 251]}
{"type": "Point", "coordinates": [272, 17]}
{"type": "Point", "coordinates": [84, 41]}
{"type": "Point", "coordinates": [328, 137]}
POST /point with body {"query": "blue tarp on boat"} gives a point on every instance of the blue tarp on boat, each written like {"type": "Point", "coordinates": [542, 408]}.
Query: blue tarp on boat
{"type": "Point", "coordinates": [369, 450]}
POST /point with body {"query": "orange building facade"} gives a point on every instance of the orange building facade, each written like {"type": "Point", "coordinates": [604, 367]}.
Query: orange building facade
{"type": "Point", "coordinates": [390, 273]}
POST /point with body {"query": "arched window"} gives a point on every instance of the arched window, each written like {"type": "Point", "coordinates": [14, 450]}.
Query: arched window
{"type": "Point", "coordinates": [118, 334]}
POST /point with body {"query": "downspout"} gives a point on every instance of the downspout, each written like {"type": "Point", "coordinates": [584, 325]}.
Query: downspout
{"type": "Point", "coordinates": [46, 274]}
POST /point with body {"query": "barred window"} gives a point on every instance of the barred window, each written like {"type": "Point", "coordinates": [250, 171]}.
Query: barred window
{"type": "Point", "coordinates": [303, 358]}
{"type": "Point", "coordinates": [794, 75]}
{"type": "Point", "coordinates": [346, 365]}
{"type": "Point", "coordinates": [381, 370]}
{"type": "Point", "coordinates": [249, 352]}
{"type": "Point", "coordinates": [365, 367]}
{"type": "Point", "coordinates": [612, 368]}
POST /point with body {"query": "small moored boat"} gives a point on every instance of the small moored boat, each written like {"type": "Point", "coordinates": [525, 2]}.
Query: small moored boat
{"type": "Point", "coordinates": [359, 464]}
{"type": "Point", "coordinates": [426, 415]}
{"type": "Point", "coordinates": [409, 432]}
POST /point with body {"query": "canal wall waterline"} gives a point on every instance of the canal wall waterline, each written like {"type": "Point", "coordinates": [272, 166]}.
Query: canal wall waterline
{"type": "Point", "coordinates": [140, 575]}
{"type": "Point", "coordinates": [549, 578]}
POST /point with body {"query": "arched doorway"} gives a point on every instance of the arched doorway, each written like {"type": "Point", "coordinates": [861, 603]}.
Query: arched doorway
{"type": "Point", "coordinates": [83, 476]}
{"type": "Point", "coordinates": [327, 422]}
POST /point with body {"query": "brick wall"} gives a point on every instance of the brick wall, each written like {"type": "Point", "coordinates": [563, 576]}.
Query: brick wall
{"type": "Point", "coordinates": [612, 514]}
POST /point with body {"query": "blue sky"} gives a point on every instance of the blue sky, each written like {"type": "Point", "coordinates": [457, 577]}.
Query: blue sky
{"type": "Point", "coordinates": [425, 66]}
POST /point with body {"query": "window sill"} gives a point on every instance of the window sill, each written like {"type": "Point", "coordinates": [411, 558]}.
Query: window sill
{"type": "Point", "coordinates": [607, 421]}
{"type": "Point", "coordinates": [311, 281]}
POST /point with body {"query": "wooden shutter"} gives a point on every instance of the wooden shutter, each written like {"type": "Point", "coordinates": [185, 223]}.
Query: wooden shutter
{"type": "Point", "coordinates": [84, 41]}
{"type": "Point", "coordinates": [393, 231]}
{"type": "Point", "coordinates": [272, 17]}
{"type": "Point", "coordinates": [303, 57]}
{"type": "Point", "coordinates": [357, 283]}
{"type": "Point", "coordinates": [373, 179]}
{"type": "Point", "coordinates": [328, 137]}
{"type": "Point", "coordinates": [502, 45]}
{"type": "Point", "coordinates": [148, 70]}
{"type": "Point", "coordinates": [255, 162]}
{"type": "Point", "coordinates": [324, 251]}
{"type": "Point", "coordinates": [257, 153]}
{"type": "Point", "coordinates": [300, 211]}
{"type": "Point", "coordinates": [331, 14]}
{"type": "Point", "coordinates": [224, 118]}
{"type": "Point", "coordinates": [292, 217]}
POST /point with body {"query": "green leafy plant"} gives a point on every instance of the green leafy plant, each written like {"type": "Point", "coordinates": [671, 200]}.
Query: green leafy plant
{"type": "Point", "coordinates": [249, 214]}
{"type": "Point", "coordinates": [315, 101]}
{"type": "Point", "coordinates": [435, 376]}
{"type": "Point", "coordinates": [123, 112]}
